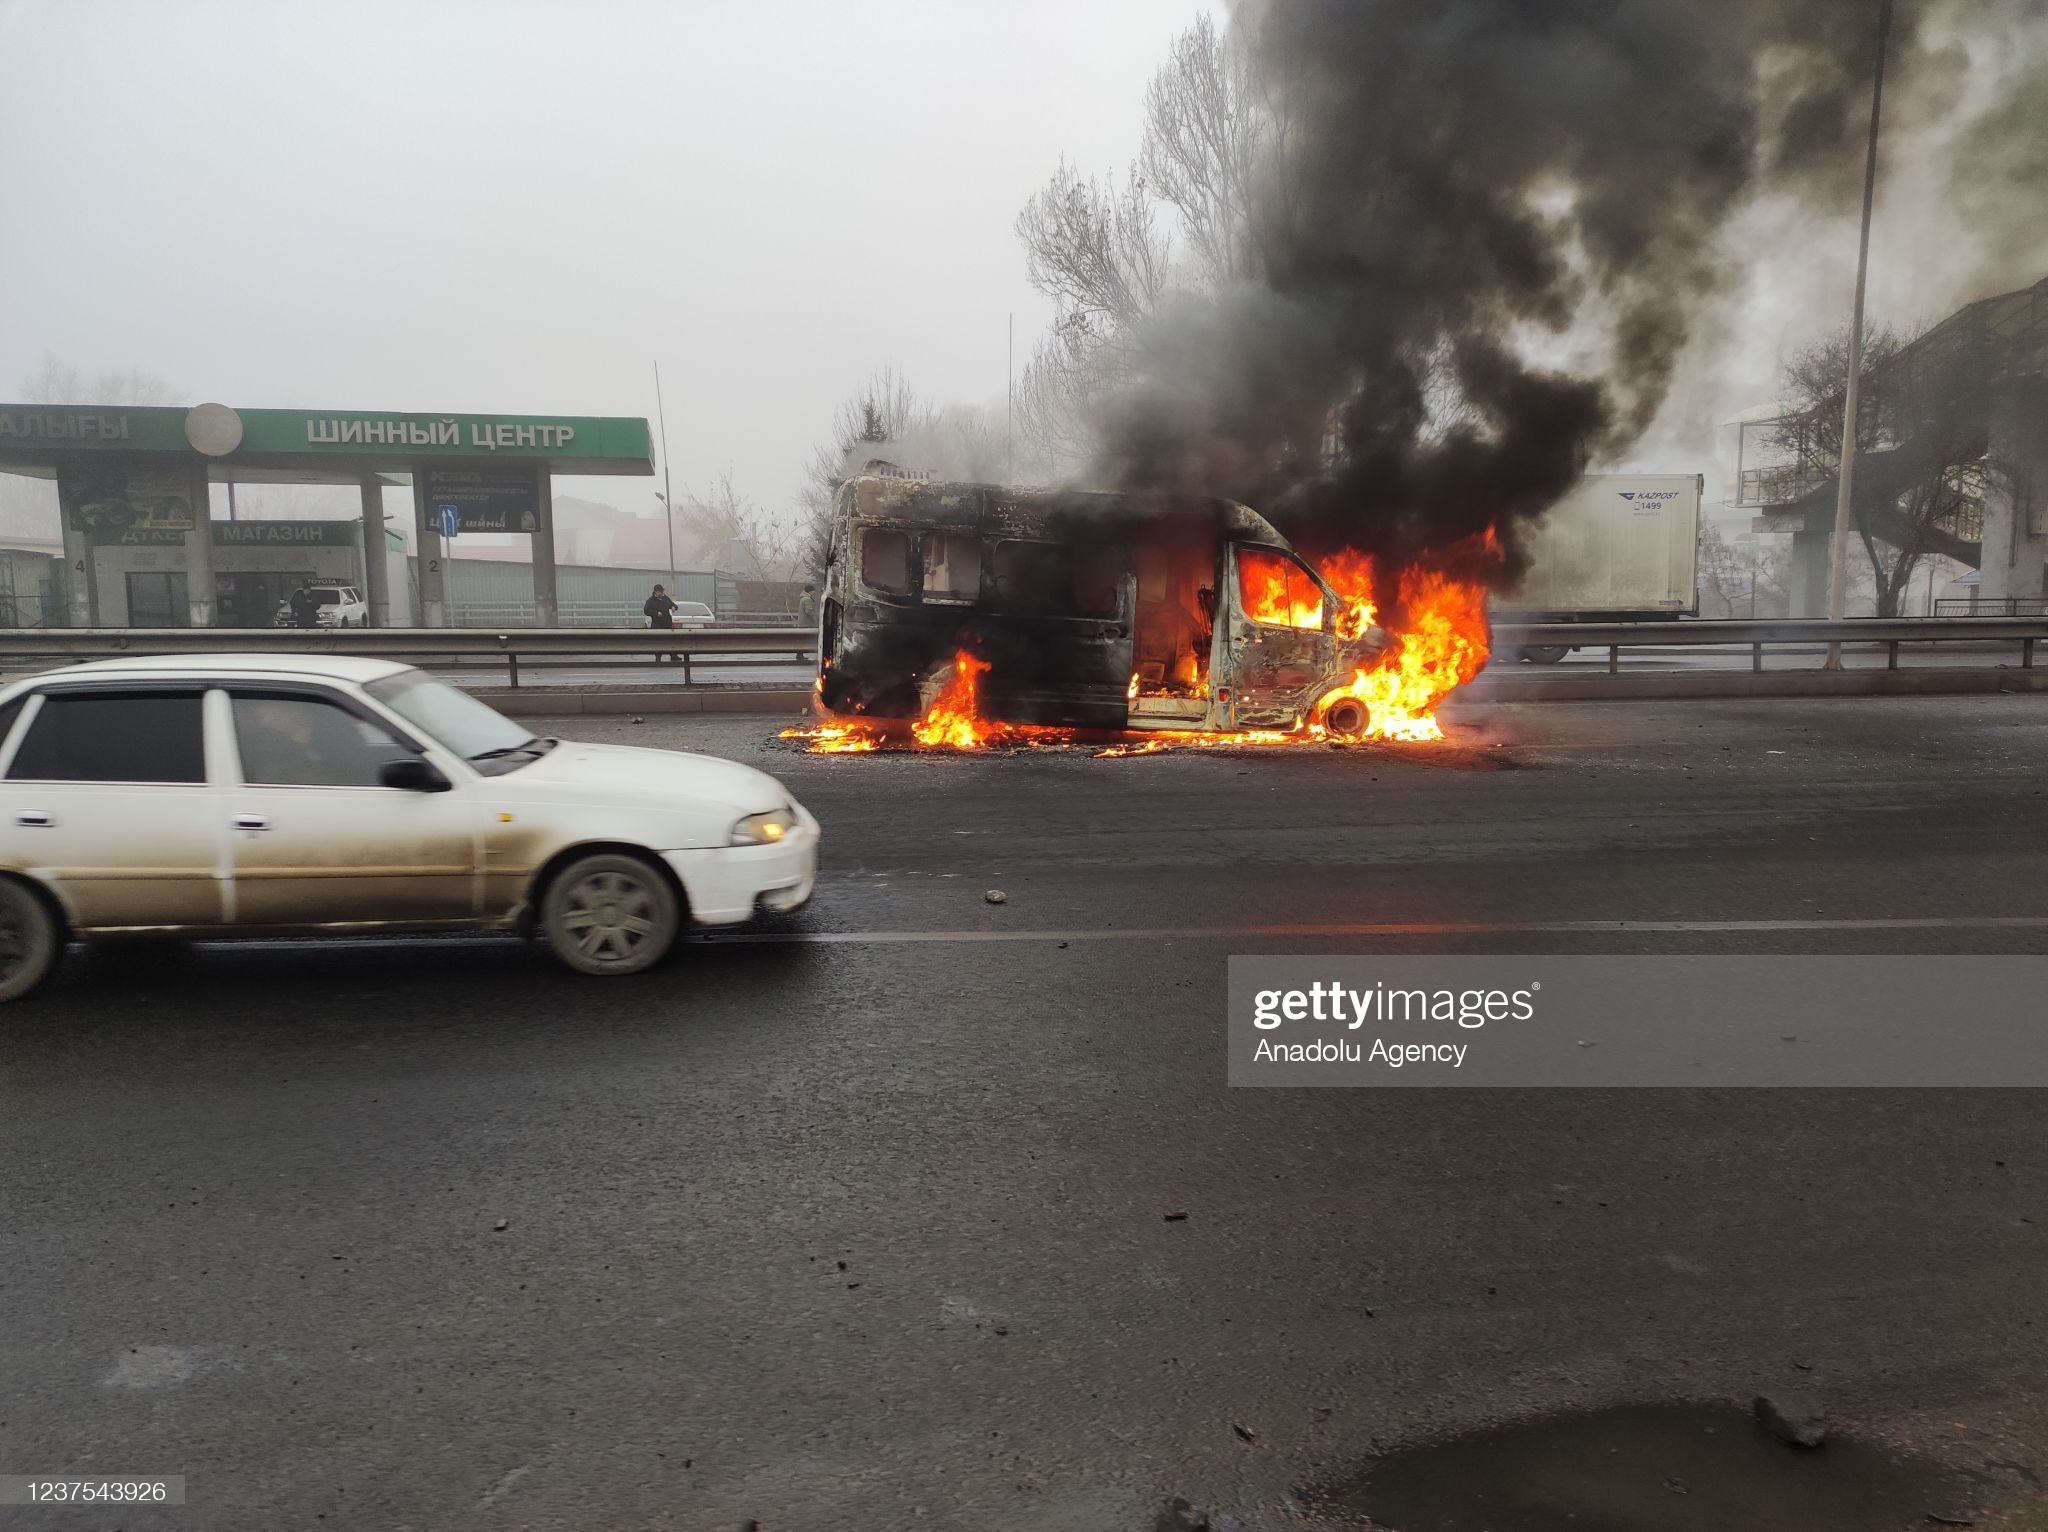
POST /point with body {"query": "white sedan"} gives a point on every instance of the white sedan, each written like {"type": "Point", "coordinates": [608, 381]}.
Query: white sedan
{"type": "Point", "coordinates": [260, 795]}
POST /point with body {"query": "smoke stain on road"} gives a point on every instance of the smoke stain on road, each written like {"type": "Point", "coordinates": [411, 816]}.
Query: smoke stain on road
{"type": "Point", "coordinates": [1647, 1468]}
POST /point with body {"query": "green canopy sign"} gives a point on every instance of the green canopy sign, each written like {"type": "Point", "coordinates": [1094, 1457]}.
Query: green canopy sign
{"type": "Point", "coordinates": [348, 440]}
{"type": "Point", "coordinates": [556, 437]}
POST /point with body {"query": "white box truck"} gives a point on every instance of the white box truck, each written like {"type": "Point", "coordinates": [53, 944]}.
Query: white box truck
{"type": "Point", "coordinates": [1620, 547]}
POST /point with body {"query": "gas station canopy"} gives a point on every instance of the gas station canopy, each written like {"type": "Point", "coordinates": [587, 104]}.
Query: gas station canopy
{"type": "Point", "coordinates": [141, 472]}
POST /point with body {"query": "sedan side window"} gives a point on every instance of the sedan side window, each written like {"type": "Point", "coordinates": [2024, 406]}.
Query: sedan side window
{"type": "Point", "coordinates": [289, 741]}
{"type": "Point", "coordinates": [113, 736]}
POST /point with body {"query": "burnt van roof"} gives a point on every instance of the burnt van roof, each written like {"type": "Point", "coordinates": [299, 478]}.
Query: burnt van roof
{"type": "Point", "coordinates": [1057, 515]}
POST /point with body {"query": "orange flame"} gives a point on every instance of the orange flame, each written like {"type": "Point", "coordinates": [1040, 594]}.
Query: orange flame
{"type": "Point", "coordinates": [1440, 642]}
{"type": "Point", "coordinates": [1274, 590]}
{"type": "Point", "coordinates": [835, 738]}
{"type": "Point", "coordinates": [952, 720]}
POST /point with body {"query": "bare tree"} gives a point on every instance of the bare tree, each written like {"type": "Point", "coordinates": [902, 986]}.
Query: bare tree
{"type": "Point", "coordinates": [1105, 251]}
{"type": "Point", "coordinates": [1203, 130]}
{"type": "Point", "coordinates": [727, 530]}
{"type": "Point", "coordinates": [1094, 246]}
{"type": "Point", "coordinates": [1923, 429]}
{"type": "Point", "coordinates": [56, 382]}
{"type": "Point", "coordinates": [1743, 578]}
{"type": "Point", "coordinates": [28, 507]}
{"type": "Point", "coordinates": [884, 409]}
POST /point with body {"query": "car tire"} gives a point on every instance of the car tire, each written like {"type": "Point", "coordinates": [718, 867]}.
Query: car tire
{"type": "Point", "coordinates": [31, 940]}
{"type": "Point", "coordinates": [1347, 717]}
{"type": "Point", "coordinates": [611, 914]}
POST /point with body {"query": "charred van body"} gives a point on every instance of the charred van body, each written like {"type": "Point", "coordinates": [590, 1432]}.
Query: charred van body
{"type": "Point", "coordinates": [1091, 610]}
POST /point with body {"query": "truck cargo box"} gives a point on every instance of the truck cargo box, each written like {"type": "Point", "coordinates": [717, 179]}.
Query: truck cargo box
{"type": "Point", "coordinates": [1618, 547]}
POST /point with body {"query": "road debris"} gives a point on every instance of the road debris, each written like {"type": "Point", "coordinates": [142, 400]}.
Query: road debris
{"type": "Point", "coordinates": [995, 896]}
{"type": "Point", "coordinates": [1796, 1419]}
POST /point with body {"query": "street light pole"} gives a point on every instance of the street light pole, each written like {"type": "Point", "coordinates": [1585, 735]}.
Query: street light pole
{"type": "Point", "coordinates": [668, 505]}
{"type": "Point", "coordinates": [1838, 552]}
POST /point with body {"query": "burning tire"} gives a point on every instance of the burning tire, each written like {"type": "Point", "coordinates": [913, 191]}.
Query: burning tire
{"type": "Point", "coordinates": [1346, 716]}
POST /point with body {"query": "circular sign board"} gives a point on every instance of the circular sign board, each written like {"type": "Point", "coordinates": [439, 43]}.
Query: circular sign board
{"type": "Point", "coordinates": [213, 429]}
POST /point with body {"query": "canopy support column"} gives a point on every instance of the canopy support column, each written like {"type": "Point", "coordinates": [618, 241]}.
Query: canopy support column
{"type": "Point", "coordinates": [199, 592]}
{"type": "Point", "coordinates": [376, 557]}
{"type": "Point", "coordinates": [546, 613]}
{"type": "Point", "coordinates": [433, 611]}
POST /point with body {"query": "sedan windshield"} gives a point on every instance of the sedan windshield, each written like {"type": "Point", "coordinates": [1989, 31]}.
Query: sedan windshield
{"type": "Point", "coordinates": [456, 720]}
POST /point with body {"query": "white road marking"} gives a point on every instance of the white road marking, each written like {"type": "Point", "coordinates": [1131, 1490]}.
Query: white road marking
{"type": "Point", "coordinates": [717, 938]}
{"type": "Point", "coordinates": [1385, 928]}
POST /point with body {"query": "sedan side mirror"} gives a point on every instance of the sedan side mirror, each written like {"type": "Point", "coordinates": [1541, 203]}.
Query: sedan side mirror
{"type": "Point", "coordinates": [411, 774]}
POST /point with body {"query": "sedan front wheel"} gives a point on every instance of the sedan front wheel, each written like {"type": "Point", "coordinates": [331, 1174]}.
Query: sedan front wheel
{"type": "Point", "coordinates": [611, 914]}
{"type": "Point", "coordinates": [30, 940]}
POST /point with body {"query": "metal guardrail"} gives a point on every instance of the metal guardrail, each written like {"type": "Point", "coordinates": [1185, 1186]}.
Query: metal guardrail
{"type": "Point", "coordinates": [1773, 632]}
{"type": "Point", "coordinates": [413, 645]}
{"type": "Point", "coordinates": [2006, 606]}
{"type": "Point", "coordinates": [568, 614]}
{"type": "Point", "coordinates": [594, 614]}
{"type": "Point", "coordinates": [432, 645]}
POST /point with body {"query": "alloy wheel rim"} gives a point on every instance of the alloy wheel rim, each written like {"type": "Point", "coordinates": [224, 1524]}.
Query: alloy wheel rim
{"type": "Point", "coordinates": [609, 917]}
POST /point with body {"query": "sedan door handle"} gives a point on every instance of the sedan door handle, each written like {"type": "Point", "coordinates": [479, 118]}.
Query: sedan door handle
{"type": "Point", "coordinates": [251, 822]}
{"type": "Point", "coordinates": [35, 819]}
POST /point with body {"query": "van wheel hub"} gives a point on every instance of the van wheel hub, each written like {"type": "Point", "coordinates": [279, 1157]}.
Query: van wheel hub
{"type": "Point", "coordinates": [1346, 716]}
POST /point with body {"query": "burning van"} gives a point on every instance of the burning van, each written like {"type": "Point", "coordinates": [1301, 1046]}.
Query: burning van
{"type": "Point", "coordinates": [1082, 609]}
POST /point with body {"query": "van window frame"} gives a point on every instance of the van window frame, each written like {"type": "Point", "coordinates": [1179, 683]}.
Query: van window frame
{"type": "Point", "coordinates": [910, 540]}
{"type": "Point", "coordinates": [1286, 555]}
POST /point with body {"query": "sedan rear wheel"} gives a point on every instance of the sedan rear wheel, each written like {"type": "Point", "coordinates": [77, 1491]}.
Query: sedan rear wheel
{"type": "Point", "coordinates": [30, 941]}
{"type": "Point", "coordinates": [611, 914]}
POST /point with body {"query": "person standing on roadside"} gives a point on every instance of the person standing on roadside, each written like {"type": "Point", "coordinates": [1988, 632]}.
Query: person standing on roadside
{"type": "Point", "coordinates": [807, 605]}
{"type": "Point", "coordinates": [305, 607]}
{"type": "Point", "coordinates": [660, 612]}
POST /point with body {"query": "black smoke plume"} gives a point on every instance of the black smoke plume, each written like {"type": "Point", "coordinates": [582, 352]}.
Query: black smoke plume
{"type": "Point", "coordinates": [1485, 229]}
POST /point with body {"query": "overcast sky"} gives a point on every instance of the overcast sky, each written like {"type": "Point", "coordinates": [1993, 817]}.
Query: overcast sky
{"type": "Point", "coordinates": [453, 205]}
{"type": "Point", "coordinates": [519, 205]}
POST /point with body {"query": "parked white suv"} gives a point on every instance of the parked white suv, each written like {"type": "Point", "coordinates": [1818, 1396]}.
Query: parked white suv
{"type": "Point", "coordinates": [336, 606]}
{"type": "Point", "coordinates": [258, 795]}
{"type": "Point", "coordinates": [340, 607]}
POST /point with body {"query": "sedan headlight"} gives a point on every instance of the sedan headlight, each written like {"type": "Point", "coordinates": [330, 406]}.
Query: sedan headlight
{"type": "Point", "coordinates": [764, 829]}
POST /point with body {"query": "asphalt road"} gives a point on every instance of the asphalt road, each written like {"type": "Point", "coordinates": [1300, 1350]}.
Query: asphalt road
{"type": "Point", "coordinates": [861, 1225]}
